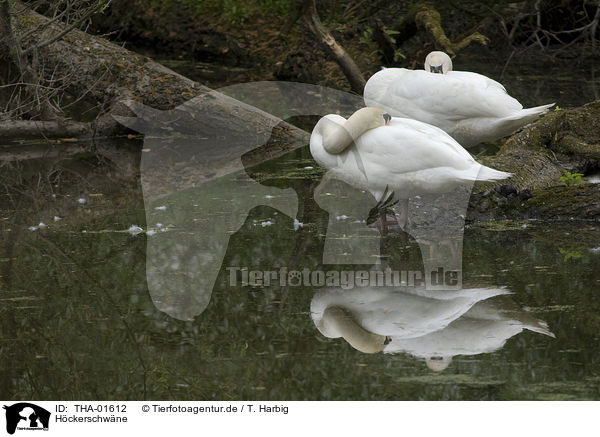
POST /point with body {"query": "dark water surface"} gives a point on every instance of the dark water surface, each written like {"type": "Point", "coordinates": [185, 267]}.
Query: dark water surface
{"type": "Point", "coordinates": [78, 321]}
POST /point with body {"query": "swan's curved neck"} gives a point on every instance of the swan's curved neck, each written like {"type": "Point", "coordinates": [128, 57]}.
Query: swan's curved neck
{"type": "Point", "coordinates": [339, 136]}
{"type": "Point", "coordinates": [342, 322]}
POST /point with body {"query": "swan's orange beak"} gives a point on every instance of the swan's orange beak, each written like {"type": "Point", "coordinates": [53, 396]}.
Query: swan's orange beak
{"type": "Point", "coordinates": [438, 69]}
{"type": "Point", "coordinates": [387, 118]}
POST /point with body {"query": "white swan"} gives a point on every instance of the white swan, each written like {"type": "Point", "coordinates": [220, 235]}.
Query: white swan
{"type": "Point", "coordinates": [368, 318]}
{"type": "Point", "coordinates": [375, 152]}
{"type": "Point", "coordinates": [471, 107]}
{"type": "Point", "coordinates": [434, 325]}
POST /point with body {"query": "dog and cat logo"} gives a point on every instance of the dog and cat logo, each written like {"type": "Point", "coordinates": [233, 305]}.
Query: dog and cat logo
{"type": "Point", "coordinates": [26, 416]}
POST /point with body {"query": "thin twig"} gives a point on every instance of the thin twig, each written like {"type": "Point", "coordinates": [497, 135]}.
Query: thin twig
{"type": "Point", "coordinates": [68, 29]}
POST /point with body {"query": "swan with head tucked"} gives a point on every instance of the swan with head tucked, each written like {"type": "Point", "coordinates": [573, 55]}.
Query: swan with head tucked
{"type": "Point", "coordinates": [368, 317]}
{"type": "Point", "coordinates": [429, 324]}
{"type": "Point", "coordinates": [472, 108]}
{"type": "Point", "coordinates": [378, 153]}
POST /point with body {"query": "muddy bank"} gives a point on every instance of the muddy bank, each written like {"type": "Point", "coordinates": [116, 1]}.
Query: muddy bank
{"type": "Point", "coordinates": [574, 202]}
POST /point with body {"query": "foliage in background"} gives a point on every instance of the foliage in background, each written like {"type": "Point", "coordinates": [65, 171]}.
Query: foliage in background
{"type": "Point", "coordinates": [234, 11]}
{"type": "Point", "coordinates": [240, 31]}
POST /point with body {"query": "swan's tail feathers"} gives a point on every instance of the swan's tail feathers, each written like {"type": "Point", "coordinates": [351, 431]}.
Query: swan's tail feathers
{"type": "Point", "coordinates": [530, 114]}
{"type": "Point", "coordinates": [482, 174]}
{"type": "Point", "coordinates": [476, 294]}
{"type": "Point", "coordinates": [525, 116]}
{"type": "Point", "coordinates": [489, 174]}
{"type": "Point", "coordinates": [541, 327]}
{"type": "Point", "coordinates": [531, 323]}
{"type": "Point", "coordinates": [481, 294]}
{"type": "Point", "coordinates": [509, 124]}
{"type": "Point", "coordinates": [542, 109]}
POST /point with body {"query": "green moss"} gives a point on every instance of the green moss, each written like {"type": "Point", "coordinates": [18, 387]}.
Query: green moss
{"type": "Point", "coordinates": [569, 178]}
{"type": "Point", "coordinates": [561, 140]}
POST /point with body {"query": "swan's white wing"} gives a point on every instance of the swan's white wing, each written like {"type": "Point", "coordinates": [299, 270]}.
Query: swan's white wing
{"type": "Point", "coordinates": [412, 158]}
{"type": "Point", "coordinates": [476, 78]}
{"type": "Point", "coordinates": [455, 96]}
{"type": "Point", "coordinates": [388, 311]}
{"type": "Point", "coordinates": [462, 337]}
{"type": "Point", "coordinates": [438, 98]}
{"type": "Point", "coordinates": [407, 146]}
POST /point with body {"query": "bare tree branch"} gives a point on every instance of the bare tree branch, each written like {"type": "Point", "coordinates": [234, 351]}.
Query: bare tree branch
{"type": "Point", "coordinates": [429, 18]}
{"type": "Point", "coordinates": [346, 63]}
{"type": "Point", "coordinates": [93, 10]}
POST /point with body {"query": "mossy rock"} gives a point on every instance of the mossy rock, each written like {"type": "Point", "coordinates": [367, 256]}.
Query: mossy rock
{"type": "Point", "coordinates": [561, 140]}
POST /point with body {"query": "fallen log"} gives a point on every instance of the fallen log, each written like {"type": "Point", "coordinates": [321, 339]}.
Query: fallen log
{"type": "Point", "coordinates": [112, 75]}
{"type": "Point", "coordinates": [25, 129]}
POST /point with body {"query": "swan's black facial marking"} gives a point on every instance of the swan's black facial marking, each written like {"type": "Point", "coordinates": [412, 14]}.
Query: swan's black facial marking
{"type": "Point", "coordinates": [387, 340]}
{"type": "Point", "coordinates": [438, 69]}
{"type": "Point", "coordinates": [386, 118]}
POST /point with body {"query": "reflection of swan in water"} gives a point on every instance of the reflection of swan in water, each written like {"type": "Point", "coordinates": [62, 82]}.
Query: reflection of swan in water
{"type": "Point", "coordinates": [366, 316]}
{"type": "Point", "coordinates": [434, 325]}
{"type": "Point", "coordinates": [471, 107]}
{"type": "Point", "coordinates": [338, 322]}
{"type": "Point", "coordinates": [483, 329]}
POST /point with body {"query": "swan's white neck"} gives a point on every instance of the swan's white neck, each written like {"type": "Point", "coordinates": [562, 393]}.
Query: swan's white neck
{"type": "Point", "coordinates": [337, 136]}
{"type": "Point", "coordinates": [341, 322]}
